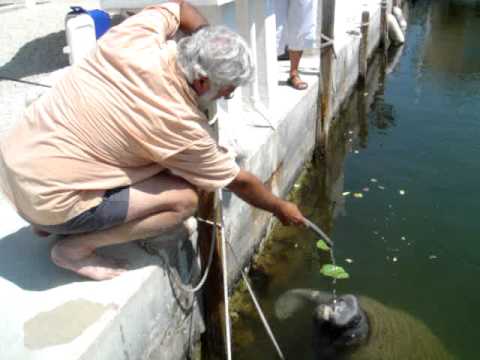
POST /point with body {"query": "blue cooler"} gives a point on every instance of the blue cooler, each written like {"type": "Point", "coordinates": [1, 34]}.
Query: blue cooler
{"type": "Point", "coordinates": [101, 19]}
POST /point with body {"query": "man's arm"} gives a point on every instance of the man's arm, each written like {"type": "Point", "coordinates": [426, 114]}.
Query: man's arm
{"type": "Point", "coordinates": [249, 188]}
{"type": "Point", "coordinates": [190, 18]}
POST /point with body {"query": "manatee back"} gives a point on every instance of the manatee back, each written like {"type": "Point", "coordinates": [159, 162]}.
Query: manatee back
{"type": "Point", "coordinates": [396, 335]}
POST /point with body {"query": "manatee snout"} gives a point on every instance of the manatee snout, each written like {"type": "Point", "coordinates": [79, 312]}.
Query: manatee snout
{"type": "Point", "coordinates": [342, 322]}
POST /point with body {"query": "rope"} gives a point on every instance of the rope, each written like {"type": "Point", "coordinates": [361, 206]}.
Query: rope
{"type": "Point", "coordinates": [228, 333]}
{"type": "Point", "coordinates": [250, 290]}
{"type": "Point", "coordinates": [328, 42]}
{"type": "Point", "coordinates": [24, 81]}
{"type": "Point", "coordinates": [257, 306]}
{"type": "Point", "coordinates": [178, 282]}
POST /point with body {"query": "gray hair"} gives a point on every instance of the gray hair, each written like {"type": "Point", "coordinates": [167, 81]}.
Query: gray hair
{"type": "Point", "coordinates": [217, 53]}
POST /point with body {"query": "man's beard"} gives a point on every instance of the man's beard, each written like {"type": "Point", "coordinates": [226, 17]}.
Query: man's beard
{"type": "Point", "coordinates": [205, 100]}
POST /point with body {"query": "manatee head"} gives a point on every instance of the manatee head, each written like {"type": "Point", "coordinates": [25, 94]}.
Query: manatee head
{"type": "Point", "coordinates": [341, 323]}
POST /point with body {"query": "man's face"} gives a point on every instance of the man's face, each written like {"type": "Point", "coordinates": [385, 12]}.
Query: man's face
{"type": "Point", "coordinates": [215, 93]}
{"type": "Point", "coordinates": [226, 92]}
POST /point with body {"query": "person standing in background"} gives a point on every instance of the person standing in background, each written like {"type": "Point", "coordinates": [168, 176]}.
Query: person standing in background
{"type": "Point", "coordinates": [296, 26]}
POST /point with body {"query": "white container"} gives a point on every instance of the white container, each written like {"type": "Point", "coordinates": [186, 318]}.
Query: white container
{"type": "Point", "coordinates": [394, 31]}
{"type": "Point", "coordinates": [80, 31]}
{"type": "Point", "coordinates": [400, 18]}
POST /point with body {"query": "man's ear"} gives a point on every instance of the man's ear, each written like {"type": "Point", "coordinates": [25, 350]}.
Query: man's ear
{"type": "Point", "coordinates": [201, 85]}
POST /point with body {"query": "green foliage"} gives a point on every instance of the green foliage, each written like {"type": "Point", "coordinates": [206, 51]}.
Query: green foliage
{"type": "Point", "coordinates": [336, 272]}
{"type": "Point", "coordinates": [322, 245]}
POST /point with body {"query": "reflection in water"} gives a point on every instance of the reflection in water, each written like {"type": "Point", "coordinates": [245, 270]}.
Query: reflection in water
{"type": "Point", "coordinates": [452, 46]}
{"type": "Point", "coordinates": [367, 105]}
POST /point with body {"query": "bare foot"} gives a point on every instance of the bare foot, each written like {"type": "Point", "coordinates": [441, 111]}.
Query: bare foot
{"type": "Point", "coordinates": [87, 263]}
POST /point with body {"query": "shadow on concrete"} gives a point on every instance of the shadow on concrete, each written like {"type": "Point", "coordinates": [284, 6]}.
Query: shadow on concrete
{"type": "Point", "coordinates": [25, 261]}
{"type": "Point", "coordinates": [39, 56]}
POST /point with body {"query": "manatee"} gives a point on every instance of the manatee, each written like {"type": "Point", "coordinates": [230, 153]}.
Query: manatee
{"type": "Point", "coordinates": [360, 328]}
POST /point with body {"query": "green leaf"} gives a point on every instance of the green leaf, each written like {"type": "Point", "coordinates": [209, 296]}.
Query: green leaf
{"type": "Point", "coordinates": [322, 245]}
{"type": "Point", "coordinates": [336, 272]}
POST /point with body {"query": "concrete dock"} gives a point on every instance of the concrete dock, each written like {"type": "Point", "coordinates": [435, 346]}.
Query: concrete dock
{"type": "Point", "coordinates": [49, 313]}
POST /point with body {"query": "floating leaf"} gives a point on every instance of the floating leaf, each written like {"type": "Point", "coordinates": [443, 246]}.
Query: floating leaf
{"type": "Point", "coordinates": [358, 195]}
{"type": "Point", "coordinates": [322, 245]}
{"type": "Point", "coordinates": [336, 272]}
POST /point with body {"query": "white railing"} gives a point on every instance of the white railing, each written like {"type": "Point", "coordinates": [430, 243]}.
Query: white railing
{"type": "Point", "coordinates": [255, 21]}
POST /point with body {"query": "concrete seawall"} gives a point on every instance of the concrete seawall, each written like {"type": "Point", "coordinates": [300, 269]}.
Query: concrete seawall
{"type": "Point", "coordinates": [49, 313]}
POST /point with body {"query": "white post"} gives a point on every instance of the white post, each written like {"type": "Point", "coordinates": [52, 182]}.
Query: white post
{"type": "Point", "coordinates": [247, 29]}
{"type": "Point", "coordinates": [216, 16]}
{"type": "Point", "coordinates": [266, 52]}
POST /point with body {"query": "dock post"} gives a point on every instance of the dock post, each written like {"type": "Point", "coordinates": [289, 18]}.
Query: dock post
{"type": "Point", "coordinates": [318, 121]}
{"type": "Point", "coordinates": [363, 52]}
{"type": "Point", "coordinates": [327, 53]}
{"type": "Point", "coordinates": [214, 337]}
{"type": "Point", "coordinates": [384, 26]}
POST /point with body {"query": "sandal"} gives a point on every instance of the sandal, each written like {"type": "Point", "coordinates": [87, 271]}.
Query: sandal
{"type": "Point", "coordinates": [283, 57]}
{"type": "Point", "coordinates": [297, 83]}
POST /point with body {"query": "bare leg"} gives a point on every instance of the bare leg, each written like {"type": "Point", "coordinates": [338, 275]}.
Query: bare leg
{"type": "Point", "coordinates": [155, 206]}
{"type": "Point", "coordinates": [295, 81]}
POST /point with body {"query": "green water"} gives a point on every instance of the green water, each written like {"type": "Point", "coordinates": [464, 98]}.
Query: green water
{"type": "Point", "coordinates": [418, 252]}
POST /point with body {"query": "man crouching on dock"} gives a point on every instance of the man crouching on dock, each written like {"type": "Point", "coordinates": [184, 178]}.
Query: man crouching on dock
{"type": "Point", "coordinates": [116, 150]}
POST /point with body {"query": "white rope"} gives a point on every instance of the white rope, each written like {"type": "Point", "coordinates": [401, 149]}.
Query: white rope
{"type": "Point", "coordinates": [328, 42]}
{"type": "Point", "coordinates": [200, 284]}
{"type": "Point", "coordinates": [228, 333]}
{"type": "Point", "coordinates": [250, 290]}
{"type": "Point", "coordinates": [257, 306]}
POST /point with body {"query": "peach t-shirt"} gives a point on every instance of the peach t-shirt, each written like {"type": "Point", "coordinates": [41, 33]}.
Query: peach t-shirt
{"type": "Point", "coordinates": [118, 117]}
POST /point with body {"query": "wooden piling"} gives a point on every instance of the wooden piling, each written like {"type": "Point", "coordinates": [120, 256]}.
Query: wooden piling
{"type": "Point", "coordinates": [363, 52]}
{"type": "Point", "coordinates": [214, 338]}
{"type": "Point", "coordinates": [318, 120]}
{"type": "Point", "coordinates": [385, 41]}
{"type": "Point", "coordinates": [327, 54]}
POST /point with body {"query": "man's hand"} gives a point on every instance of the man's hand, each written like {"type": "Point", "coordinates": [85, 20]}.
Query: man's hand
{"type": "Point", "coordinates": [289, 214]}
{"type": "Point", "coordinates": [249, 188]}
